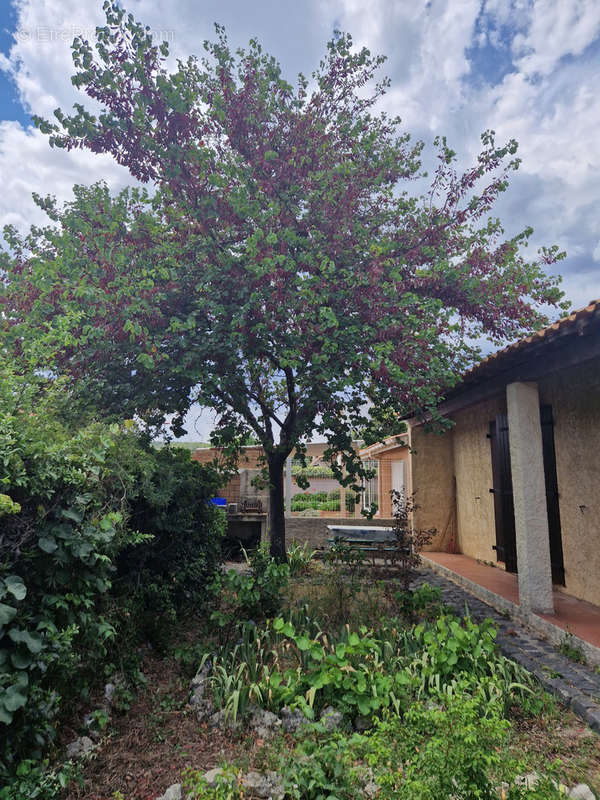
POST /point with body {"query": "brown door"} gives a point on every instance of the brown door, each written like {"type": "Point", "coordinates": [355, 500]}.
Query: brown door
{"type": "Point", "coordinates": [504, 511]}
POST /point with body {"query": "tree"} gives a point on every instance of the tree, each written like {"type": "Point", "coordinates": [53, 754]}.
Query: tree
{"type": "Point", "coordinates": [276, 269]}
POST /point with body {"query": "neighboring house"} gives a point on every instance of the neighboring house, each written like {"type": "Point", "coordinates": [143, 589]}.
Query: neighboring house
{"type": "Point", "coordinates": [241, 487]}
{"type": "Point", "coordinates": [391, 461]}
{"type": "Point", "coordinates": [517, 479]}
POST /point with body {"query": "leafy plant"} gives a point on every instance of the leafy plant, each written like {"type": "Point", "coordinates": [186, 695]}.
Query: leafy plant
{"type": "Point", "coordinates": [322, 768]}
{"type": "Point", "coordinates": [227, 785]}
{"type": "Point", "coordinates": [299, 558]}
{"type": "Point", "coordinates": [453, 650]}
{"type": "Point", "coordinates": [426, 601]}
{"type": "Point", "coordinates": [36, 780]}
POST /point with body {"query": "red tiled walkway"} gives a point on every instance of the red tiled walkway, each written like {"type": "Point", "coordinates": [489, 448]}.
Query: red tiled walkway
{"type": "Point", "coordinates": [580, 618]}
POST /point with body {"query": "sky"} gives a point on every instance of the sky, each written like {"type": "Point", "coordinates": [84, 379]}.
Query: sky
{"type": "Point", "coordinates": [528, 69]}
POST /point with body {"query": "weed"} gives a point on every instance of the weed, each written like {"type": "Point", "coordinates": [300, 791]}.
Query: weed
{"type": "Point", "coordinates": [571, 650]}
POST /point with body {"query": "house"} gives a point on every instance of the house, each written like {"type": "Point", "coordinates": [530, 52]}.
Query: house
{"type": "Point", "coordinates": [516, 481]}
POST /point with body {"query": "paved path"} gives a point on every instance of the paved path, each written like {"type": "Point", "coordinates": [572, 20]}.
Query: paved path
{"type": "Point", "coordinates": [576, 685]}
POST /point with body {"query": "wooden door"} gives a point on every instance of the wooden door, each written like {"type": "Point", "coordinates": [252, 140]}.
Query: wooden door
{"type": "Point", "coordinates": [556, 551]}
{"type": "Point", "coordinates": [504, 510]}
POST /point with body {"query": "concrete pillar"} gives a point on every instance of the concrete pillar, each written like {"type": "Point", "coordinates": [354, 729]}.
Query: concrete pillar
{"type": "Point", "coordinates": [288, 487]}
{"type": "Point", "coordinates": [529, 494]}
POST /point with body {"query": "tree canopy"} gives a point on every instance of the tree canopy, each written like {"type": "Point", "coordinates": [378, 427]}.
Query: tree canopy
{"type": "Point", "coordinates": [277, 268]}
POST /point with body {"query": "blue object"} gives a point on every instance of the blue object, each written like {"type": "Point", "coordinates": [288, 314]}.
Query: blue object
{"type": "Point", "coordinates": [220, 502]}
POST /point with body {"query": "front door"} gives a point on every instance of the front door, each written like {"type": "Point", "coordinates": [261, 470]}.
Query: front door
{"type": "Point", "coordinates": [504, 511]}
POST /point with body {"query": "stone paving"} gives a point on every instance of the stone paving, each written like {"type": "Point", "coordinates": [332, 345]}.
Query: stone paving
{"type": "Point", "coordinates": [576, 685]}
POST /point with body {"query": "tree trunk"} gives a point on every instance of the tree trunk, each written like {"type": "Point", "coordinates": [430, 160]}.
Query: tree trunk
{"type": "Point", "coordinates": [276, 508]}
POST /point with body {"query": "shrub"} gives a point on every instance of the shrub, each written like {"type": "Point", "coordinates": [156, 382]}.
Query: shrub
{"type": "Point", "coordinates": [170, 572]}
{"type": "Point", "coordinates": [69, 495]}
{"type": "Point", "coordinates": [439, 752]}
{"type": "Point", "coordinates": [452, 651]}
{"type": "Point", "coordinates": [55, 568]}
{"type": "Point", "coordinates": [249, 597]}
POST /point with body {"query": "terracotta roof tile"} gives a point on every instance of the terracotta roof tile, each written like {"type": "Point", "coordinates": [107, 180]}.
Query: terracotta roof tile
{"type": "Point", "coordinates": [563, 326]}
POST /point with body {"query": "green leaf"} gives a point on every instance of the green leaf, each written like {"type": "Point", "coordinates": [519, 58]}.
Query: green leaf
{"type": "Point", "coordinates": [303, 643]}
{"type": "Point", "coordinates": [71, 513]}
{"type": "Point", "coordinates": [15, 586]}
{"type": "Point", "coordinates": [32, 641]}
{"type": "Point", "coordinates": [13, 699]}
{"type": "Point", "coordinates": [7, 614]}
{"type": "Point", "coordinates": [20, 660]}
{"type": "Point", "coordinates": [47, 544]}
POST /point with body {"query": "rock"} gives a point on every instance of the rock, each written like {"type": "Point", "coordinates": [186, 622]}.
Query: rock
{"type": "Point", "coordinates": [211, 776]}
{"type": "Point", "coordinates": [363, 723]}
{"type": "Point", "coordinates": [220, 720]}
{"type": "Point", "coordinates": [529, 781]}
{"type": "Point", "coordinates": [291, 721]}
{"type": "Point", "coordinates": [200, 677]}
{"type": "Point", "coordinates": [109, 693]}
{"type": "Point", "coordinates": [332, 719]}
{"type": "Point", "coordinates": [204, 709]}
{"type": "Point", "coordinates": [269, 785]}
{"type": "Point", "coordinates": [264, 723]}
{"type": "Point", "coordinates": [80, 747]}
{"type": "Point", "coordinates": [172, 793]}
{"type": "Point", "coordinates": [581, 792]}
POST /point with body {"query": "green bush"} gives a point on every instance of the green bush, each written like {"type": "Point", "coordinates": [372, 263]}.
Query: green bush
{"type": "Point", "coordinates": [55, 568]}
{"type": "Point", "coordinates": [249, 597]}
{"type": "Point", "coordinates": [171, 571]}
{"type": "Point", "coordinates": [75, 501]}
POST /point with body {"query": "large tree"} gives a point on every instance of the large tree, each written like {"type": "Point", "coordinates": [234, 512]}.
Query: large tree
{"type": "Point", "coordinates": [277, 269]}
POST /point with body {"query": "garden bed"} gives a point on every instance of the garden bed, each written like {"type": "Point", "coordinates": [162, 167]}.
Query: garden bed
{"type": "Point", "coordinates": [159, 739]}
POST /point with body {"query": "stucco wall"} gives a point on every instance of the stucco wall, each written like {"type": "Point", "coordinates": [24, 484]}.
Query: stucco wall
{"type": "Point", "coordinates": [473, 470]}
{"type": "Point", "coordinates": [432, 481]}
{"type": "Point", "coordinates": [574, 395]}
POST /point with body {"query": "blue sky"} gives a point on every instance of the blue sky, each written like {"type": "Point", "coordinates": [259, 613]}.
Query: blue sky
{"type": "Point", "coordinates": [10, 105]}
{"type": "Point", "coordinates": [529, 69]}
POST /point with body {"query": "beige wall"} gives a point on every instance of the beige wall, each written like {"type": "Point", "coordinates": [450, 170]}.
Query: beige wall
{"type": "Point", "coordinates": [432, 481]}
{"type": "Point", "coordinates": [574, 395]}
{"type": "Point", "coordinates": [473, 470]}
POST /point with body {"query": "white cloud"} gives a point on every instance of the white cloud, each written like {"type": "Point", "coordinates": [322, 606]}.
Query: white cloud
{"type": "Point", "coordinates": [556, 29]}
